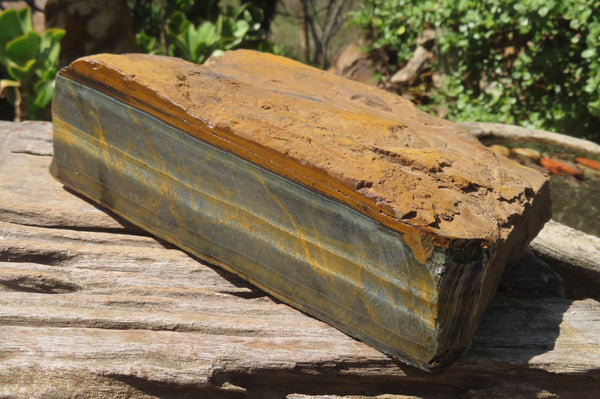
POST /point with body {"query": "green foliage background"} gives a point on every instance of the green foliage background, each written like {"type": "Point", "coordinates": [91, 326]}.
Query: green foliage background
{"type": "Point", "coordinates": [28, 63]}
{"type": "Point", "coordinates": [534, 63]}
{"type": "Point", "coordinates": [196, 30]}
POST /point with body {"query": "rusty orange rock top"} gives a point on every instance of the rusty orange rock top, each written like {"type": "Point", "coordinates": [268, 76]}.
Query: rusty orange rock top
{"type": "Point", "coordinates": [363, 146]}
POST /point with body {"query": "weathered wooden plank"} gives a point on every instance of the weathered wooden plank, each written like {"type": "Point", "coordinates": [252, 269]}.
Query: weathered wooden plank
{"type": "Point", "coordinates": [356, 207]}
{"type": "Point", "coordinates": [128, 291]}
{"type": "Point", "coordinates": [518, 133]}
{"type": "Point", "coordinates": [27, 137]}
{"type": "Point", "coordinates": [94, 313]}
{"type": "Point", "coordinates": [575, 255]}
{"type": "Point", "coordinates": [138, 360]}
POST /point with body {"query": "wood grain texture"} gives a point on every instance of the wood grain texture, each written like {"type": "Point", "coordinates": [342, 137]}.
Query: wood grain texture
{"type": "Point", "coordinates": [518, 133]}
{"type": "Point", "coordinates": [574, 254]}
{"type": "Point", "coordinates": [90, 307]}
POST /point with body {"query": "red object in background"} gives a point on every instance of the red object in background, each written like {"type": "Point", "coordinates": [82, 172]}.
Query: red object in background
{"type": "Point", "coordinates": [557, 167]}
{"type": "Point", "coordinates": [590, 163]}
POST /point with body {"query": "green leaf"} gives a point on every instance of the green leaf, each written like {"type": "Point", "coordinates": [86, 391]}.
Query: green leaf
{"type": "Point", "coordinates": [10, 27]}
{"type": "Point", "coordinates": [228, 26]}
{"type": "Point", "coordinates": [521, 8]}
{"type": "Point", "coordinates": [180, 48]}
{"type": "Point", "coordinates": [241, 28]}
{"type": "Point", "coordinates": [51, 37]}
{"type": "Point", "coordinates": [25, 19]}
{"type": "Point", "coordinates": [50, 48]}
{"type": "Point", "coordinates": [207, 32]}
{"type": "Point", "coordinates": [171, 50]}
{"type": "Point", "coordinates": [47, 74]}
{"type": "Point", "coordinates": [178, 24]}
{"type": "Point", "coordinates": [146, 43]}
{"type": "Point", "coordinates": [217, 53]}
{"type": "Point", "coordinates": [589, 53]}
{"type": "Point", "coordinates": [253, 13]}
{"type": "Point", "coordinates": [23, 49]}
{"type": "Point", "coordinates": [594, 108]}
{"type": "Point", "coordinates": [575, 24]}
{"type": "Point", "coordinates": [191, 39]}
{"type": "Point", "coordinates": [44, 92]}
{"type": "Point", "coordinates": [21, 73]}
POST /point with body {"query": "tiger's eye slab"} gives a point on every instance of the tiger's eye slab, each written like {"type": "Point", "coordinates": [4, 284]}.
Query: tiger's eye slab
{"type": "Point", "coordinates": [340, 199]}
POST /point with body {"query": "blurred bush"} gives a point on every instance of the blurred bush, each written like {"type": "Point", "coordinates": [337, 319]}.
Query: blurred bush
{"type": "Point", "coordinates": [534, 63]}
{"type": "Point", "coordinates": [196, 30]}
{"type": "Point", "coordinates": [28, 64]}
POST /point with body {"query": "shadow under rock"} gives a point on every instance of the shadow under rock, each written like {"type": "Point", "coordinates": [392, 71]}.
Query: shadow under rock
{"type": "Point", "coordinates": [523, 320]}
{"type": "Point", "coordinates": [126, 226]}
